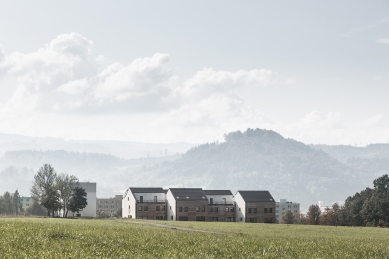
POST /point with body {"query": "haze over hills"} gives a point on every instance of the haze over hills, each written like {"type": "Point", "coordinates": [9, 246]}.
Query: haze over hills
{"type": "Point", "coordinates": [254, 159]}
{"type": "Point", "coordinates": [123, 149]}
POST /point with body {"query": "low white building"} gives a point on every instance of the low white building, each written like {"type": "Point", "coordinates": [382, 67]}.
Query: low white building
{"type": "Point", "coordinates": [283, 205]}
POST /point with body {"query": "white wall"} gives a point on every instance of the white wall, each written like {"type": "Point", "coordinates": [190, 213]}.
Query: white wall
{"type": "Point", "coordinates": [171, 203]}
{"type": "Point", "coordinates": [240, 208]}
{"type": "Point", "coordinates": [90, 209]}
{"type": "Point", "coordinates": [129, 205]}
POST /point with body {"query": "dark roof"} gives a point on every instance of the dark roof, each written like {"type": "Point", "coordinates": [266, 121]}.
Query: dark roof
{"type": "Point", "coordinates": [217, 192]}
{"type": "Point", "coordinates": [256, 196]}
{"type": "Point", "coordinates": [188, 193]}
{"type": "Point", "coordinates": [147, 190]}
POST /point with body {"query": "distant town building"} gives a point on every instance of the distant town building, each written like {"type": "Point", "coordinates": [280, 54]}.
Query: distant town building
{"type": "Point", "coordinates": [109, 205]}
{"type": "Point", "coordinates": [283, 205]}
{"type": "Point", "coordinates": [26, 202]}
{"type": "Point", "coordinates": [90, 209]}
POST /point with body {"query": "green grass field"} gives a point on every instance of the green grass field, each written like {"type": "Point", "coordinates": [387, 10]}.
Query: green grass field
{"type": "Point", "coordinates": [82, 238]}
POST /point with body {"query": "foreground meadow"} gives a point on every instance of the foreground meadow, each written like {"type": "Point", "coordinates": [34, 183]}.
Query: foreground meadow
{"type": "Point", "coordinates": [80, 238]}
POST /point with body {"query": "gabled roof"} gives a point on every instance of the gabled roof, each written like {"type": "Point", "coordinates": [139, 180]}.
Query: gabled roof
{"type": "Point", "coordinates": [256, 196]}
{"type": "Point", "coordinates": [147, 190]}
{"type": "Point", "coordinates": [188, 193]}
{"type": "Point", "coordinates": [217, 192]}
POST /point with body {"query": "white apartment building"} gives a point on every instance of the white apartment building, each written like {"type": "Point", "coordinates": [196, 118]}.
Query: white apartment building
{"type": "Point", "coordinates": [283, 205]}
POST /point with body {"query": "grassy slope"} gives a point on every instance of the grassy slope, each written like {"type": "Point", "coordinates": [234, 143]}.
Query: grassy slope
{"type": "Point", "coordinates": [61, 238]}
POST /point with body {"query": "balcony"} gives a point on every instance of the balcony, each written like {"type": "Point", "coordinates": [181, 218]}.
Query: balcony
{"type": "Point", "coordinates": [230, 203]}
{"type": "Point", "coordinates": [151, 201]}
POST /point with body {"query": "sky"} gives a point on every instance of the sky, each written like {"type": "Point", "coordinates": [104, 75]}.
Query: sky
{"type": "Point", "coordinates": [190, 71]}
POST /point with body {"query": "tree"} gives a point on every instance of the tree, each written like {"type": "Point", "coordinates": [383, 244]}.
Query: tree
{"type": "Point", "coordinates": [101, 213]}
{"type": "Point", "coordinates": [35, 209]}
{"type": "Point", "coordinates": [16, 203]}
{"type": "Point", "coordinates": [352, 210]}
{"type": "Point", "coordinates": [314, 214]}
{"type": "Point", "coordinates": [299, 218]}
{"type": "Point", "coordinates": [8, 208]}
{"type": "Point", "coordinates": [376, 208]}
{"type": "Point", "coordinates": [119, 212]}
{"type": "Point", "coordinates": [287, 218]}
{"type": "Point", "coordinates": [78, 200]}
{"type": "Point", "coordinates": [65, 185]}
{"type": "Point", "coordinates": [44, 188]}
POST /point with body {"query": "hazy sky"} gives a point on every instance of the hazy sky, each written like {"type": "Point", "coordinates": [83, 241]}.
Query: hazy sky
{"type": "Point", "coordinates": [169, 71]}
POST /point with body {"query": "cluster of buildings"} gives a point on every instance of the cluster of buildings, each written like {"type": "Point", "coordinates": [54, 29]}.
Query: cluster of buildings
{"type": "Point", "coordinates": [186, 204]}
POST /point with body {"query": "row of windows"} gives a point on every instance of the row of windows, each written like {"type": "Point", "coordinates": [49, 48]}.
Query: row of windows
{"type": "Point", "coordinates": [107, 202]}
{"type": "Point", "coordinates": [265, 210]}
{"type": "Point", "coordinates": [146, 208]}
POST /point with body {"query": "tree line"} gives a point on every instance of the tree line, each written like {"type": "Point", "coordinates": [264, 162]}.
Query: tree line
{"type": "Point", "coordinates": [58, 193]}
{"type": "Point", "coordinates": [370, 207]}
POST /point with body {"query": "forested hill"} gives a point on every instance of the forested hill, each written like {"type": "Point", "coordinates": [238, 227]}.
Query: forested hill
{"type": "Point", "coordinates": [263, 159]}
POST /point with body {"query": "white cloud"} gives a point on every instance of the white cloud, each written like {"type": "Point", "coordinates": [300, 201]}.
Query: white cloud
{"type": "Point", "coordinates": [374, 121]}
{"type": "Point", "coordinates": [290, 80]}
{"type": "Point", "coordinates": [383, 40]}
{"type": "Point", "coordinates": [209, 81]}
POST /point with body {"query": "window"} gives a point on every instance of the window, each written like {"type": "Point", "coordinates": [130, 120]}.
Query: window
{"type": "Point", "coordinates": [140, 208]}
{"type": "Point", "coordinates": [227, 209]}
{"type": "Point", "coordinates": [106, 201]}
{"type": "Point", "coordinates": [213, 219]}
{"type": "Point", "coordinates": [27, 199]}
{"type": "Point", "coordinates": [224, 200]}
{"type": "Point", "coordinates": [270, 210]}
{"type": "Point", "coordinates": [171, 217]}
{"type": "Point", "coordinates": [129, 206]}
{"type": "Point", "coordinates": [250, 210]}
{"type": "Point", "coordinates": [255, 210]}
{"type": "Point", "coordinates": [113, 201]}
{"type": "Point", "coordinates": [211, 201]}
{"type": "Point", "coordinates": [203, 208]}
{"type": "Point", "coordinates": [232, 209]}
{"type": "Point", "coordinates": [100, 206]}
{"type": "Point", "coordinates": [155, 198]}
{"type": "Point", "coordinates": [186, 208]}
{"type": "Point", "coordinates": [128, 198]}
{"type": "Point", "coordinates": [216, 209]}
{"type": "Point", "coordinates": [265, 210]}
{"type": "Point", "coordinates": [277, 211]}
{"type": "Point", "coordinates": [157, 208]}
{"type": "Point", "coordinates": [146, 208]}
{"type": "Point", "coordinates": [163, 208]}
{"type": "Point", "coordinates": [197, 208]}
{"type": "Point", "coordinates": [180, 209]}
{"type": "Point", "coordinates": [241, 219]}
{"type": "Point", "coordinates": [252, 220]}
{"type": "Point", "coordinates": [210, 209]}
{"type": "Point", "coordinates": [200, 218]}
{"type": "Point", "coordinates": [170, 207]}
{"type": "Point", "coordinates": [239, 209]}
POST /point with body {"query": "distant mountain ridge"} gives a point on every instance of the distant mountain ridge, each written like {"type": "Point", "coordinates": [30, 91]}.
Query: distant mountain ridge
{"type": "Point", "coordinates": [253, 159]}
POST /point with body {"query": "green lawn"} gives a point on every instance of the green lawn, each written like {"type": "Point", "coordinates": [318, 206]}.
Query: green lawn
{"type": "Point", "coordinates": [79, 238]}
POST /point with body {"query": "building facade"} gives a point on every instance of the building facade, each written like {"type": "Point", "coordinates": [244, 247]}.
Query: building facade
{"type": "Point", "coordinates": [196, 204]}
{"type": "Point", "coordinates": [144, 203]}
{"type": "Point", "coordinates": [283, 205]}
{"type": "Point", "coordinates": [26, 202]}
{"type": "Point", "coordinates": [255, 207]}
{"type": "Point", "coordinates": [90, 209]}
{"type": "Point", "coordinates": [109, 206]}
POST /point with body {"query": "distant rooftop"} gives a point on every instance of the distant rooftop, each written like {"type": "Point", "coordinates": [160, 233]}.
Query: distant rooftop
{"type": "Point", "coordinates": [147, 190]}
{"type": "Point", "coordinates": [256, 196]}
{"type": "Point", "coordinates": [188, 193]}
{"type": "Point", "coordinates": [217, 192]}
